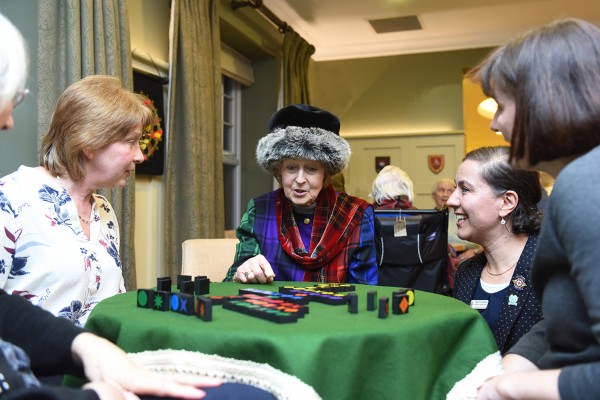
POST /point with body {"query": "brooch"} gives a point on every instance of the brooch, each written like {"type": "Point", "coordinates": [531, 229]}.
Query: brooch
{"type": "Point", "coordinates": [512, 300]}
{"type": "Point", "coordinates": [519, 282]}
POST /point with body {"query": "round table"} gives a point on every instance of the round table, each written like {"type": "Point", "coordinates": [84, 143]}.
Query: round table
{"type": "Point", "coordinates": [418, 355]}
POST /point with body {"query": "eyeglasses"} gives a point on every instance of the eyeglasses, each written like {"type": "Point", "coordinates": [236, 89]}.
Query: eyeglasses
{"type": "Point", "coordinates": [19, 97]}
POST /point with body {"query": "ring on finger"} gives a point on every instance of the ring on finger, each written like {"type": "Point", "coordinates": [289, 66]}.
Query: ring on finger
{"type": "Point", "coordinates": [246, 274]}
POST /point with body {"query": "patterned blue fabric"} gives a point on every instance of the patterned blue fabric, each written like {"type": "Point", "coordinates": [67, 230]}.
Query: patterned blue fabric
{"type": "Point", "coordinates": [18, 361]}
{"type": "Point", "coordinates": [45, 255]}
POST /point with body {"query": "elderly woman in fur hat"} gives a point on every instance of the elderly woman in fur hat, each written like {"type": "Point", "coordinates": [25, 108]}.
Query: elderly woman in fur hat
{"type": "Point", "coordinates": [305, 231]}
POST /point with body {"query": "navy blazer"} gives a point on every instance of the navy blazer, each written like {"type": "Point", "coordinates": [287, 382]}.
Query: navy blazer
{"type": "Point", "coordinates": [518, 314]}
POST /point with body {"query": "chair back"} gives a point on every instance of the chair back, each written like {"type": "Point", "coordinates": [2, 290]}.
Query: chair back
{"type": "Point", "coordinates": [210, 257]}
{"type": "Point", "coordinates": [418, 258]}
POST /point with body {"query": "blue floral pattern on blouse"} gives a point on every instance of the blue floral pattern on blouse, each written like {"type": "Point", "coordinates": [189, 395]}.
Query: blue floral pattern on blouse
{"type": "Point", "coordinates": [45, 254]}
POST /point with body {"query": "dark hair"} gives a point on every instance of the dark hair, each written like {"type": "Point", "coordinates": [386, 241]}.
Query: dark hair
{"type": "Point", "coordinates": [303, 131]}
{"type": "Point", "coordinates": [305, 116]}
{"type": "Point", "coordinates": [553, 75]}
{"type": "Point", "coordinates": [496, 170]}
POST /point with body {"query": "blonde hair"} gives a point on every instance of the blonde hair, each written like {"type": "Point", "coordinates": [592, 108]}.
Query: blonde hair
{"type": "Point", "coordinates": [13, 62]}
{"type": "Point", "coordinates": [90, 114]}
{"type": "Point", "coordinates": [391, 183]}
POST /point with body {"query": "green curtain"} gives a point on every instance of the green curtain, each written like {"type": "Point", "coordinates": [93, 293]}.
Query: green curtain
{"type": "Point", "coordinates": [296, 56]}
{"type": "Point", "coordinates": [194, 171]}
{"type": "Point", "coordinates": [77, 38]}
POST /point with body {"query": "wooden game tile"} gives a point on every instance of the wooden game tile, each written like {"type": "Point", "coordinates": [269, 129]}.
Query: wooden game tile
{"type": "Point", "coordinates": [145, 298]}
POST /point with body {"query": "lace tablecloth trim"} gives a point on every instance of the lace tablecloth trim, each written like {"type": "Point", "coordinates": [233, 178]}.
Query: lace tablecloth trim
{"type": "Point", "coordinates": [282, 385]}
{"type": "Point", "coordinates": [466, 388]}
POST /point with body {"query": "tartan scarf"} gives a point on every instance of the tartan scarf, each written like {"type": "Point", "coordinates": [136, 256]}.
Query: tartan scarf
{"type": "Point", "coordinates": [334, 220]}
{"type": "Point", "coordinates": [399, 203]}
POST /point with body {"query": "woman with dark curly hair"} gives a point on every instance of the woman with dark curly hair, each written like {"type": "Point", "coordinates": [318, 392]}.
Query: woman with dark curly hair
{"type": "Point", "coordinates": [496, 207]}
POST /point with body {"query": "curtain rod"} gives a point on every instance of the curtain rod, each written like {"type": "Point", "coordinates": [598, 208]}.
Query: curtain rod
{"type": "Point", "coordinates": [258, 5]}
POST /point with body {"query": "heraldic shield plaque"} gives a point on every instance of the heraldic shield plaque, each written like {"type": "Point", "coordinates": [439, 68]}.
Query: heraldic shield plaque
{"type": "Point", "coordinates": [435, 163]}
{"type": "Point", "coordinates": [381, 162]}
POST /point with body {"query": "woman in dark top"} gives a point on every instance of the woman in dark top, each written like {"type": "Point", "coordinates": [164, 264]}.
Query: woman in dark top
{"type": "Point", "coordinates": [547, 86]}
{"type": "Point", "coordinates": [495, 205]}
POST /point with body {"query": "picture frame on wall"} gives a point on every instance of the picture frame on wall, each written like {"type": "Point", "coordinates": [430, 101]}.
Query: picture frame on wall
{"type": "Point", "coordinates": [381, 162]}
{"type": "Point", "coordinates": [151, 87]}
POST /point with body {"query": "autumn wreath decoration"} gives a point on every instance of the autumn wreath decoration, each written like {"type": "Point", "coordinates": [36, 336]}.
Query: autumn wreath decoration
{"type": "Point", "coordinates": [153, 133]}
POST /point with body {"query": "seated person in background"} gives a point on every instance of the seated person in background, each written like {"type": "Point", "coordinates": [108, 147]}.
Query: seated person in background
{"type": "Point", "coordinates": [496, 208]}
{"type": "Point", "coordinates": [287, 234]}
{"type": "Point", "coordinates": [60, 240]}
{"type": "Point", "coordinates": [33, 340]}
{"type": "Point", "coordinates": [440, 192]}
{"type": "Point", "coordinates": [392, 189]}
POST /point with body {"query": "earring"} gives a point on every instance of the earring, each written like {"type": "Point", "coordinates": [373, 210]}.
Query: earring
{"type": "Point", "coordinates": [502, 221]}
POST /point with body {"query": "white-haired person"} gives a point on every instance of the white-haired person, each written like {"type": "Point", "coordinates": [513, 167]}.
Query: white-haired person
{"type": "Point", "coordinates": [305, 230]}
{"type": "Point", "coordinates": [441, 191]}
{"type": "Point", "coordinates": [392, 189]}
{"type": "Point", "coordinates": [33, 342]}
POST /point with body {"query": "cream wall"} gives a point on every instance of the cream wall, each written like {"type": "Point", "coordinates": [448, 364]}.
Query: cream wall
{"type": "Point", "coordinates": [406, 107]}
{"type": "Point", "coordinates": [409, 152]}
{"type": "Point", "coordinates": [149, 29]}
{"type": "Point", "coordinates": [477, 128]}
{"type": "Point", "coordinates": [405, 94]}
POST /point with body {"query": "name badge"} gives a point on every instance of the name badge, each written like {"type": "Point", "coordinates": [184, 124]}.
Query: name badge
{"type": "Point", "coordinates": [479, 304]}
{"type": "Point", "coordinates": [400, 227]}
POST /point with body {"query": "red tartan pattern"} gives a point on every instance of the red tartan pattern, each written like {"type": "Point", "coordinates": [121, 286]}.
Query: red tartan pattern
{"type": "Point", "coordinates": [336, 216]}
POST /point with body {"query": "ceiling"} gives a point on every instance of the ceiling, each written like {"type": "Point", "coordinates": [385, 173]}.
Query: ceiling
{"type": "Point", "coordinates": [339, 29]}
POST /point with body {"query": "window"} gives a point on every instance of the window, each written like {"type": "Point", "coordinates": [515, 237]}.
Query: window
{"type": "Point", "coordinates": [232, 94]}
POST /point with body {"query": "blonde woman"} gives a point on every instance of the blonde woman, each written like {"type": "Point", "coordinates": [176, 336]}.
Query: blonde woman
{"type": "Point", "coordinates": [60, 244]}
{"type": "Point", "coordinates": [31, 338]}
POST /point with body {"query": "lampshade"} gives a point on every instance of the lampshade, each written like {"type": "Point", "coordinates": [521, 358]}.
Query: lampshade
{"type": "Point", "coordinates": [487, 108]}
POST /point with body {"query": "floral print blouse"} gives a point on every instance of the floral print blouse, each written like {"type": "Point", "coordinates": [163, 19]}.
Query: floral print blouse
{"type": "Point", "coordinates": [44, 253]}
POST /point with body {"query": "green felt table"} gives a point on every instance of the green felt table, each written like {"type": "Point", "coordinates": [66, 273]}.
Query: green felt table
{"type": "Point", "coordinates": [418, 355]}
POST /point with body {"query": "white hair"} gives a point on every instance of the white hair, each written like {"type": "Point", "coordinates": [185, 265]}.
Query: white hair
{"type": "Point", "coordinates": [449, 181]}
{"type": "Point", "coordinates": [391, 183]}
{"type": "Point", "coordinates": [13, 61]}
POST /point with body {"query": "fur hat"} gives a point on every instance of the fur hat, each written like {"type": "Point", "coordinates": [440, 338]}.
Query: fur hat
{"type": "Point", "coordinates": [303, 131]}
